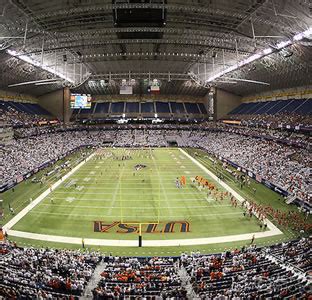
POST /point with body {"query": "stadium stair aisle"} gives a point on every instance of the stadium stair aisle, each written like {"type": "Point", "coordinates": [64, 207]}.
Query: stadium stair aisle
{"type": "Point", "coordinates": [186, 282]}
{"type": "Point", "coordinates": [94, 280]}
{"type": "Point", "coordinates": [287, 265]}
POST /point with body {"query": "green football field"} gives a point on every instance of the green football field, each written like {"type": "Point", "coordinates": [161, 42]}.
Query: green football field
{"type": "Point", "coordinates": [107, 191]}
{"type": "Point", "coordinates": [125, 186]}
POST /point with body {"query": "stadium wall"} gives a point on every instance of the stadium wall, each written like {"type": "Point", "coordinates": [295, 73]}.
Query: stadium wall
{"type": "Point", "coordinates": [225, 102]}
{"type": "Point", "coordinates": [57, 103]}
{"type": "Point", "coordinates": [301, 92]}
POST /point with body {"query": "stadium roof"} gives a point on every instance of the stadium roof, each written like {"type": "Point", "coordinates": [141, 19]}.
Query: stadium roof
{"type": "Point", "coordinates": [91, 45]}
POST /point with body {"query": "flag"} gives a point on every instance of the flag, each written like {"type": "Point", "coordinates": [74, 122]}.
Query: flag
{"type": "Point", "coordinates": [126, 90]}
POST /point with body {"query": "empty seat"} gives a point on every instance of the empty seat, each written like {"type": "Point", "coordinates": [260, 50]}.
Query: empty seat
{"type": "Point", "coordinates": [132, 107]}
{"type": "Point", "coordinates": [101, 108]}
{"type": "Point", "coordinates": [162, 107]}
{"type": "Point", "coordinates": [177, 108]}
{"type": "Point", "coordinates": [192, 108]}
{"type": "Point", "coordinates": [117, 107]}
{"type": "Point", "coordinates": [147, 107]}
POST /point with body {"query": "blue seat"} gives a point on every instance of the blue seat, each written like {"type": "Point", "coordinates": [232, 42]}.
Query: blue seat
{"type": "Point", "coordinates": [132, 107]}
{"type": "Point", "coordinates": [117, 107]}
{"type": "Point", "coordinates": [192, 108]}
{"type": "Point", "coordinates": [202, 108]}
{"type": "Point", "coordinates": [162, 107]}
{"type": "Point", "coordinates": [147, 107]}
{"type": "Point", "coordinates": [101, 108]}
{"type": "Point", "coordinates": [177, 108]}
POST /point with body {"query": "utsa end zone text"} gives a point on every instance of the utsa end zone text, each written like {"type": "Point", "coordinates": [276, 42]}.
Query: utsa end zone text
{"type": "Point", "coordinates": [118, 227]}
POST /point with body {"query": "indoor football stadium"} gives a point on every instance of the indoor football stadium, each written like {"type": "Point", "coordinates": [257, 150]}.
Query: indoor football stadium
{"type": "Point", "coordinates": [155, 149]}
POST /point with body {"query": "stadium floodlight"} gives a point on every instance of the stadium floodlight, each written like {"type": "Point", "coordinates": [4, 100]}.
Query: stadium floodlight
{"type": "Point", "coordinates": [267, 51]}
{"type": "Point", "coordinates": [248, 80]}
{"type": "Point", "coordinates": [35, 63]}
{"type": "Point", "coordinates": [36, 82]}
{"type": "Point", "coordinates": [300, 36]}
{"type": "Point", "coordinates": [47, 83]}
{"type": "Point", "coordinates": [283, 44]}
{"type": "Point", "coordinates": [263, 53]}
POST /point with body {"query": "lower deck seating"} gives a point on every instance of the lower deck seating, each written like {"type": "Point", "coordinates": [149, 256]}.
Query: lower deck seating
{"type": "Point", "coordinates": [46, 271]}
{"type": "Point", "coordinates": [244, 274]}
{"type": "Point", "coordinates": [292, 112]}
{"type": "Point", "coordinates": [247, 273]}
{"type": "Point", "coordinates": [139, 278]}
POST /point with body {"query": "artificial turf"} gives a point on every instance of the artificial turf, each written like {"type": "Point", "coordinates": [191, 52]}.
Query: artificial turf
{"type": "Point", "coordinates": [109, 189]}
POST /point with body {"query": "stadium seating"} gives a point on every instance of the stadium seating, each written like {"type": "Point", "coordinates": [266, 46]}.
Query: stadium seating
{"type": "Point", "coordinates": [132, 129]}
{"type": "Point", "coordinates": [241, 274]}
{"type": "Point", "coordinates": [101, 108]}
{"type": "Point", "coordinates": [117, 107]}
{"type": "Point", "coordinates": [147, 108]}
{"type": "Point", "coordinates": [202, 108]}
{"type": "Point", "coordinates": [165, 110]}
{"type": "Point", "coordinates": [269, 158]}
{"type": "Point", "coordinates": [22, 114]}
{"type": "Point", "coordinates": [291, 113]}
{"type": "Point", "coordinates": [177, 108]}
{"type": "Point", "coordinates": [139, 277]}
{"type": "Point", "coordinates": [30, 271]}
{"type": "Point", "coordinates": [132, 107]}
{"type": "Point", "coordinates": [162, 107]}
{"type": "Point", "coordinates": [299, 106]}
{"type": "Point", "coordinates": [280, 271]}
{"type": "Point", "coordinates": [192, 108]}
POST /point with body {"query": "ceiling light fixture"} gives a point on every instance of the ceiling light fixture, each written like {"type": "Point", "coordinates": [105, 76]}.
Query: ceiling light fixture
{"type": "Point", "coordinates": [35, 63]}
{"type": "Point", "coordinates": [262, 53]}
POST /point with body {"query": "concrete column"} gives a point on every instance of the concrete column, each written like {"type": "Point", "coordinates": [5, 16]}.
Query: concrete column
{"type": "Point", "coordinates": [225, 102]}
{"type": "Point", "coordinates": [58, 103]}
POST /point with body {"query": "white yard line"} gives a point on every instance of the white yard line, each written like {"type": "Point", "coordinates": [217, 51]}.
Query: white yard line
{"type": "Point", "coordinates": [115, 207]}
{"type": "Point", "coordinates": [146, 243]}
{"type": "Point", "coordinates": [112, 193]}
{"type": "Point", "coordinates": [162, 187]}
{"type": "Point", "coordinates": [98, 178]}
{"type": "Point", "coordinates": [140, 200]}
{"type": "Point", "coordinates": [115, 193]}
{"type": "Point", "coordinates": [34, 203]}
{"type": "Point", "coordinates": [126, 216]}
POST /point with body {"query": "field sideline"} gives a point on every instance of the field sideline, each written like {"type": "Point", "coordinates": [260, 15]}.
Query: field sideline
{"type": "Point", "coordinates": [121, 194]}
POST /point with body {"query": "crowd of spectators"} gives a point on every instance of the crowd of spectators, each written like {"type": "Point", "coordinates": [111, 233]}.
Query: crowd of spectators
{"type": "Point", "coordinates": [47, 273]}
{"type": "Point", "coordinates": [139, 278]}
{"type": "Point", "coordinates": [280, 271]}
{"type": "Point", "coordinates": [296, 253]}
{"type": "Point", "coordinates": [250, 273]}
{"type": "Point", "coordinates": [285, 166]}
{"type": "Point", "coordinates": [296, 139]}
{"type": "Point", "coordinates": [293, 138]}
{"type": "Point", "coordinates": [24, 155]}
{"type": "Point", "coordinates": [17, 118]}
{"type": "Point", "coordinates": [280, 120]}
